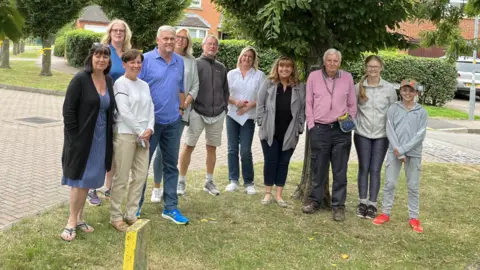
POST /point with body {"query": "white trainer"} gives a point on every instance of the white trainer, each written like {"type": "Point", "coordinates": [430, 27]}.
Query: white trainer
{"type": "Point", "coordinates": [250, 190]}
{"type": "Point", "coordinates": [232, 187]}
{"type": "Point", "coordinates": [157, 194]}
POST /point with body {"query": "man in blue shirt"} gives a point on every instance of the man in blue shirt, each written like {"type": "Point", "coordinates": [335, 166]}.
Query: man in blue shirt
{"type": "Point", "coordinates": [163, 70]}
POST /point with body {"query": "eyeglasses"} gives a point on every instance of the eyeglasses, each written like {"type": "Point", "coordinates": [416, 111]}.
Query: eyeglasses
{"type": "Point", "coordinates": [182, 38]}
{"type": "Point", "coordinates": [211, 44]}
{"type": "Point", "coordinates": [118, 30]}
{"type": "Point", "coordinates": [373, 67]}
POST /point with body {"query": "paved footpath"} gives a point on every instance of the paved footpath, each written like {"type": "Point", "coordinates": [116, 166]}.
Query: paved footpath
{"type": "Point", "coordinates": [30, 152]}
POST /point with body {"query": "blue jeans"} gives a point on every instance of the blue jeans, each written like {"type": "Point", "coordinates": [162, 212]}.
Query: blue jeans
{"type": "Point", "coordinates": [276, 161]}
{"type": "Point", "coordinates": [167, 136]}
{"type": "Point", "coordinates": [158, 162]}
{"type": "Point", "coordinates": [371, 153]}
{"type": "Point", "coordinates": [243, 135]}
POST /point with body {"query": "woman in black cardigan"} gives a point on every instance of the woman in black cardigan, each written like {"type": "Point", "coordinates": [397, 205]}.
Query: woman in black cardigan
{"type": "Point", "coordinates": [88, 118]}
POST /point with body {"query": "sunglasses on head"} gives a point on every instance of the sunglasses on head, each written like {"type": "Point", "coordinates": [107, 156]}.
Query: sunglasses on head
{"type": "Point", "coordinates": [98, 44]}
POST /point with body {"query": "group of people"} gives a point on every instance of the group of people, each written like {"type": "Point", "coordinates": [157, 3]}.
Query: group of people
{"type": "Point", "coordinates": [126, 106]}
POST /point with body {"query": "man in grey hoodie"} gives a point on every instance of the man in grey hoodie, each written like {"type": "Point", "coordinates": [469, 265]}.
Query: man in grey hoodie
{"type": "Point", "coordinates": [406, 130]}
{"type": "Point", "coordinates": [209, 110]}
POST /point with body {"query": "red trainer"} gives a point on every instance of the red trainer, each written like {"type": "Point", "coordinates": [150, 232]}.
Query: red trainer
{"type": "Point", "coordinates": [415, 224]}
{"type": "Point", "coordinates": [380, 219]}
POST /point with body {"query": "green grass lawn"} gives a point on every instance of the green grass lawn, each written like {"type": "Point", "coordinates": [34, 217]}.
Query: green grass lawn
{"type": "Point", "coordinates": [441, 112]}
{"type": "Point", "coordinates": [26, 73]}
{"type": "Point", "coordinates": [240, 233]}
{"type": "Point", "coordinates": [27, 54]}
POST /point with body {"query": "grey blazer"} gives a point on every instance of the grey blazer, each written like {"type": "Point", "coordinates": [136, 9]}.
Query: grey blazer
{"type": "Point", "coordinates": [266, 101]}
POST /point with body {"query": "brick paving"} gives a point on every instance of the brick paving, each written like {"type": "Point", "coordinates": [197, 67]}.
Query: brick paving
{"type": "Point", "coordinates": [30, 167]}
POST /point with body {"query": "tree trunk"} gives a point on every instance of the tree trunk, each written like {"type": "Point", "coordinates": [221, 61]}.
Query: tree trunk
{"type": "Point", "coordinates": [15, 48]}
{"type": "Point", "coordinates": [22, 46]}
{"type": "Point", "coordinates": [5, 62]}
{"type": "Point", "coordinates": [47, 56]}
{"type": "Point", "coordinates": [304, 188]}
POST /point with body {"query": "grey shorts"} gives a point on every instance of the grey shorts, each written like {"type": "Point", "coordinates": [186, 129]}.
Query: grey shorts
{"type": "Point", "coordinates": [213, 132]}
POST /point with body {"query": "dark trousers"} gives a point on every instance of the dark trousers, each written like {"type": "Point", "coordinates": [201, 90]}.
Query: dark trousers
{"type": "Point", "coordinates": [371, 153]}
{"type": "Point", "coordinates": [276, 161]}
{"type": "Point", "coordinates": [329, 144]}
{"type": "Point", "coordinates": [243, 136]}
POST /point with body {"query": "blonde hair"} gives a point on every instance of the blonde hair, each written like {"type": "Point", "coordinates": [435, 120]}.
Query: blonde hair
{"type": "Point", "coordinates": [189, 49]}
{"type": "Point", "coordinates": [362, 90]}
{"type": "Point", "coordinates": [255, 56]}
{"type": "Point", "coordinates": [126, 40]}
{"type": "Point", "coordinates": [281, 61]}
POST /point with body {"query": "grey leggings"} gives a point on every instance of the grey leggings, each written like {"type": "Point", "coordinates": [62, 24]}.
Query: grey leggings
{"type": "Point", "coordinates": [371, 153]}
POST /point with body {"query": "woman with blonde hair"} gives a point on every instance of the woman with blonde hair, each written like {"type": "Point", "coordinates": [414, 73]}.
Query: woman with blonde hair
{"type": "Point", "coordinates": [374, 97]}
{"type": "Point", "coordinates": [117, 38]}
{"type": "Point", "coordinates": [281, 118]}
{"type": "Point", "coordinates": [244, 83]}
{"type": "Point", "coordinates": [183, 47]}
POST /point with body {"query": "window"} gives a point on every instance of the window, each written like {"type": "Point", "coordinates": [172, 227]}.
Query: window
{"type": "Point", "coordinates": [196, 4]}
{"type": "Point", "coordinates": [197, 32]}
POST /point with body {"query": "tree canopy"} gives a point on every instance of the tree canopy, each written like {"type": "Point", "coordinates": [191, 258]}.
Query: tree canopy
{"type": "Point", "coordinates": [144, 16]}
{"type": "Point", "coordinates": [11, 22]}
{"type": "Point", "coordinates": [306, 28]}
{"type": "Point", "coordinates": [46, 17]}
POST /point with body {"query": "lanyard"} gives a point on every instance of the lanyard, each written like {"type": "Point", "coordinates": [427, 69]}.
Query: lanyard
{"type": "Point", "coordinates": [329, 91]}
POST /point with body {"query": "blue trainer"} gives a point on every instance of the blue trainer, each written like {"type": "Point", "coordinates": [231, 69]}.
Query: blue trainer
{"type": "Point", "coordinates": [175, 216]}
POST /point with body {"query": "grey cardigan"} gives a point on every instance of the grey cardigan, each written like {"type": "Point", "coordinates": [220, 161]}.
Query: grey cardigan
{"type": "Point", "coordinates": [266, 100]}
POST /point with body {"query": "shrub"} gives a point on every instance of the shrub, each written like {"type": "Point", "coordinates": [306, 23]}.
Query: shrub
{"type": "Point", "coordinates": [230, 49]}
{"type": "Point", "coordinates": [78, 43]}
{"type": "Point", "coordinates": [59, 49]}
{"type": "Point", "coordinates": [437, 76]}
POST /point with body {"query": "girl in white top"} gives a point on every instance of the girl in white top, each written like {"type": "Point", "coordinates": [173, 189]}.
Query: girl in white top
{"type": "Point", "coordinates": [183, 47]}
{"type": "Point", "coordinates": [134, 126]}
{"type": "Point", "coordinates": [243, 82]}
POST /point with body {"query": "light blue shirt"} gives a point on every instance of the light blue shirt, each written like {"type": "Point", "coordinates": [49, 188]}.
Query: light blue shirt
{"type": "Point", "coordinates": [117, 69]}
{"type": "Point", "coordinates": [166, 83]}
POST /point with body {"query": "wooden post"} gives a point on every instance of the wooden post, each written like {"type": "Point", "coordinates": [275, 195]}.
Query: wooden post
{"type": "Point", "coordinates": [135, 256]}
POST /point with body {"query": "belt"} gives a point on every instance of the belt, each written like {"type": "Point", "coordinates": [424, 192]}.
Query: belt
{"type": "Point", "coordinates": [331, 125]}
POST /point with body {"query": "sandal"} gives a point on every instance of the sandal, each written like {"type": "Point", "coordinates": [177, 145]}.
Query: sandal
{"type": "Point", "coordinates": [68, 234]}
{"type": "Point", "coordinates": [120, 226]}
{"type": "Point", "coordinates": [282, 203]}
{"type": "Point", "coordinates": [265, 201]}
{"type": "Point", "coordinates": [84, 227]}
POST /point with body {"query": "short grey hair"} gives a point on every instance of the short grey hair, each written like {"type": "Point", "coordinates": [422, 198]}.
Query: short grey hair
{"type": "Point", "coordinates": [166, 28]}
{"type": "Point", "coordinates": [332, 51]}
{"type": "Point", "coordinates": [209, 36]}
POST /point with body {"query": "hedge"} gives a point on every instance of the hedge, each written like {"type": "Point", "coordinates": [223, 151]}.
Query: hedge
{"type": "Point", "coordinates": [78, 43]}
{"type": "Point", "coordinates": [59, 49]}
{"type": "Point", "coordinates": [229, 51]}
{"type": "Point", "coordinates": [437, 76]}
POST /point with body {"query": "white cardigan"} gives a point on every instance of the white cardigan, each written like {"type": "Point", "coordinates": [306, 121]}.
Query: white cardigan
{"type": "Point", "coordinates": [135, 107]}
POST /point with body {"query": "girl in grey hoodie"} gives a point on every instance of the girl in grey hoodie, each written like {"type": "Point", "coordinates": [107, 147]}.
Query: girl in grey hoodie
{"type": "Point", "coordinates": [374, 97]}
{"type": "Point", "coordinates": [406, 129]}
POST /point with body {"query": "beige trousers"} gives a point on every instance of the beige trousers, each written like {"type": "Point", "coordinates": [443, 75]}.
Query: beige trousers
{"type": "Point", "coordinates": [128, 156]}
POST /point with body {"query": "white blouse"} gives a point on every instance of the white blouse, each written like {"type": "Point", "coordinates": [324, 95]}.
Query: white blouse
{"type": "Point", "coordinates": [245, 88]}
{"type": "Point", "coordinates": [136, 112]}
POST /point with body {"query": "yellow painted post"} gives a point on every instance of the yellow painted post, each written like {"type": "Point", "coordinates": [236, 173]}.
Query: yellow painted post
{"type": "Point", "coordinates": [135, 256]}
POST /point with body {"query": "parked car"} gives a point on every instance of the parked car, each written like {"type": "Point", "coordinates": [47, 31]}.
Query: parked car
{"type": "Point", "coordinates": [464, 79]}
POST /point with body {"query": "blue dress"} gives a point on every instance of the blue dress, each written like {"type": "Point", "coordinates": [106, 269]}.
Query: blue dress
{"type": "Point", "coordinates": [94, 174]}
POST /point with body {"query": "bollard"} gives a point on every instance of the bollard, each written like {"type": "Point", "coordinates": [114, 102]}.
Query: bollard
{"type": "Point", "coordinates": [135, 256]}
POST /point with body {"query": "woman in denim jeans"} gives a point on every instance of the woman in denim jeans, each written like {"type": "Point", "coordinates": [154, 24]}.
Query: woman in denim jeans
{"type": "Point", "coordinates": [374, 96]}
{"type": "Point", "coordinates": [243, 82]}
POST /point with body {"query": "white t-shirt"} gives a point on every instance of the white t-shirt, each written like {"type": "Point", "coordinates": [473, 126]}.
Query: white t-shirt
{"type": "Point", "coordinates": [135, 107]}
{"type": "Point", "coordinates": [245, 88]}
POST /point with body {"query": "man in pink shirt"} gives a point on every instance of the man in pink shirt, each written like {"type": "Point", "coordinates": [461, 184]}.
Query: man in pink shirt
{"type": "Point", "coordinates": [330, 94]}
